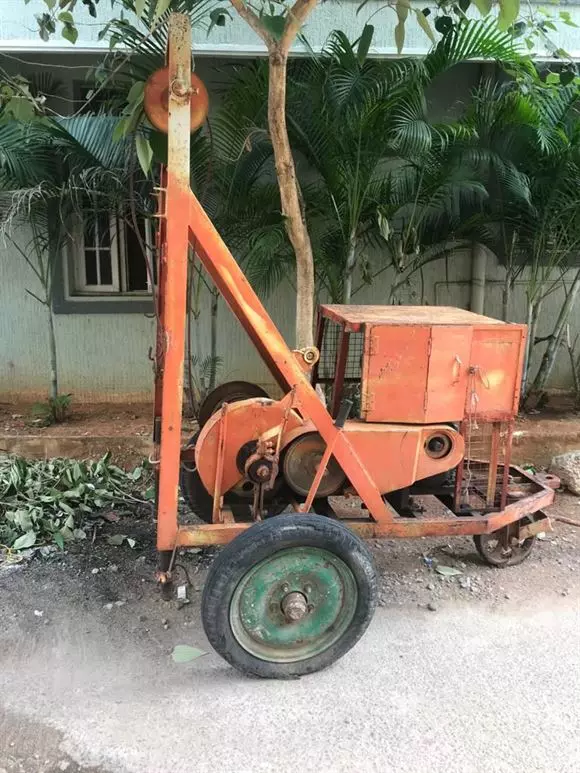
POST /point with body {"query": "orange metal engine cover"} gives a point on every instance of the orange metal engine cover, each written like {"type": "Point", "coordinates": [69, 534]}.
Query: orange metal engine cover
{"type": "Point", "coordinates": [245, 420]}
{"type": "Point", "coordinates": [395, 455]}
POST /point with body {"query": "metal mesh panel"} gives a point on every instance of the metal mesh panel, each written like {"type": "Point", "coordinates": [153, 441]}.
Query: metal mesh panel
{"type": "Point", "coordinates": [330, 343]}
{"type": "Point", "coordinates": [482, 478]}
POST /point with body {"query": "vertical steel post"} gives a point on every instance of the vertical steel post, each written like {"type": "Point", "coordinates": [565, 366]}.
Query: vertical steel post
{"type": "Point", "coordinates": [175, 277]}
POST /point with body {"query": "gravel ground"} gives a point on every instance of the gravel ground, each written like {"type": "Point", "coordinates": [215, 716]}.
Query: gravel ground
{"type": "Point", "coordinates": [475, 672]}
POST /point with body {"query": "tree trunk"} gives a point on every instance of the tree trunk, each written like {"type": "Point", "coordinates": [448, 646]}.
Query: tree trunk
{"type": "Point", "coordinates": [53, 393]}
{"type": "Point", "coordinates": [506, 299]}
{"type": "Point", "coordinates": [549, 358]}
{"type": "Point", "coordinates": [529, 346]}
{"type": "Point", "coordinates": [290, 198]}
{"type": "Point", "coordinates": [349, 268]}
{"type": "Point", "coordinates": [574, 364]}
{"type": "Point", "coordinates": [213, 339]}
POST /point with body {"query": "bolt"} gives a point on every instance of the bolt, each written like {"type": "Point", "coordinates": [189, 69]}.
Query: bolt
{"type": "Point", "coordinates": [179, 88]}
{"type": "Point", "coordinates": [285, 588]}
{"type": "Point", "coordinates": [294, 607]}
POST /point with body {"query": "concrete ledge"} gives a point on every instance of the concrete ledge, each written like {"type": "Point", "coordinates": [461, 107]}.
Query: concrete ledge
{"type": "Point", "coordinates": [127, 451]}
{"type": "Point", "coordinates": [536, 441]}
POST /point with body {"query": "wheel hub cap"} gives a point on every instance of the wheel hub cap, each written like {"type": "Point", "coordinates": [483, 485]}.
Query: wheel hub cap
{"type": "Point", "coordinates": [293, 605]}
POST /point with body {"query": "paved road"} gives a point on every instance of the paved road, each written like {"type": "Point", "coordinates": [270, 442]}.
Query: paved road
{"type": "Point", "coordinates": [467, 689]}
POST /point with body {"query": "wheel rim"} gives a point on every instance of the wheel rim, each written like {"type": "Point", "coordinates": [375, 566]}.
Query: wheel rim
{"type": "Point", "coordinates": [293, 605]}
{"type": "Point", "coordinates": [503, 547]}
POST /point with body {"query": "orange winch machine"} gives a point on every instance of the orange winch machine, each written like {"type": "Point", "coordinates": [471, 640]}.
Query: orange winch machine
{"type": "Point", "coordinates": [398, 423]}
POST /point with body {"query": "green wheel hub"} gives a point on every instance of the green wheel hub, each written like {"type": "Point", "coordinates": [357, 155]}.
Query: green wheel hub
{"type": "Point", "coordinates": [293, 605]}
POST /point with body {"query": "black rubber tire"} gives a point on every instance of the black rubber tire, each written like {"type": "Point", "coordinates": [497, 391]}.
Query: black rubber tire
{"type": "Point", "coordinates": [515, 559]}
{"type": "Point", "coordinates": [230, 392]}
{"type": "Point", "coordinates": [261, 541]}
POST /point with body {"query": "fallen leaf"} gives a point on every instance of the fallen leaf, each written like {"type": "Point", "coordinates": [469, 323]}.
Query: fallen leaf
{"type": "Point", "coordinates": [25, 541]}
{"type": "Point", "coordinates": [183, 653]}
{"type": "Point", "coordinates": [116, 539]}
{"type": "Point", "coordinates": [447, 571]}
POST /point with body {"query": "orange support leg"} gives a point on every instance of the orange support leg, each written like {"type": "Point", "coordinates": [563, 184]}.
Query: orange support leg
{"type": "Point", "coordinates": [175, 278]}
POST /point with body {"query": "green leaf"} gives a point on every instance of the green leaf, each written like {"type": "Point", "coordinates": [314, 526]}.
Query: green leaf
{"type": "Point", "coordinates": [274, 24]}
{"type": "Point", "coordinates": [144, 152]}
{"type": "Point", "coordinates": [508, 13]}
{"type": "Point", "coordinates": [553, 78]}
{"type": "Point", "coordinates": [562, 53]}
{"type": "Point", "coordinates": [66, 17]}
{"type": "Point", "coordinates": [140, 7]}
{"type": "Point", "coordinates": [566, 77]}
{"type": "Point", "coordinates": [160, 8]}
{"type": "Point", "coordinates": [50, 4]}
{"type": "Point", "coordinates": [158, 142]}
{"type": "Point", "coordinates": [425, 26]}
{"type": "Point", "coordinates": [443, 24]}
{"type": "Point", "coordinates": [21, 109]}
{"type": "Point", "coordinates": [120, 129]}
{"type": "Point", "coordinates": [116, 539]}
{"type": "Point", "coordinates": [402, 11]}
{"type": "Point", "coordinates": [79, 534]}
{"type": "Point", "coordinates": [25, 541]}
{"type": "Point", "coordinates": [183, 653]}
{"type": "Point", "coordinates": [384, 226]}
{"type": "Point", "coordinates": [136, 92]}
{"type": "Point", "coordinates": [58, 539]}
{"type": "Point", "coordinates": [483, 6]}
{"type": "Point", "coordinates": [149, 493]}
{"type": "Point", "coordinates": [70, 33]}
{"type": "Point", "coordinates": [70, 522]}
{"type": "Point", "coordinates": [218, 18]}
{"type": "Point", "coordinates": [447, 571]}
{"type": "Point", "coordinates": [67, 534]}
{"type": "Point", "coordinates": [400, 37]}
{"type": "Point", "coordinates": [567, 19]}
{"type": "Point", "coordinates": [364, 43]}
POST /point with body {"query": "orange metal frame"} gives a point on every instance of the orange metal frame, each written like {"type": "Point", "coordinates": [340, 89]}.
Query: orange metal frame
{"type": "Point", "coordinates": [185, 224]}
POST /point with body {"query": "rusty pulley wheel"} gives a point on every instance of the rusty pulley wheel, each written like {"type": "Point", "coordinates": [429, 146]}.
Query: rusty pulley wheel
{"type": "Point", "coordinates": [156, 100]}
{"type": "Point", "coordinates": [228, 392]}
{"type": "Point", "coordinates": [301, 460]}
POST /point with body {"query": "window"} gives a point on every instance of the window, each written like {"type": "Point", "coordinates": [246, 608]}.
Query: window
{"type": "Point", "coordinates": [108, 258]}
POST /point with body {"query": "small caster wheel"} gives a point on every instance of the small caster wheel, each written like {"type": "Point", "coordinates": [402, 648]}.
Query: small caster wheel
{"type": "Point", "coordinates": [503, 547]}
{"type": "Point", "coordinates": [289, 596]}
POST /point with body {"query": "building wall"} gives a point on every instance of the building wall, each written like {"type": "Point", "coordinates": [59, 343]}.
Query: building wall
{"type": "Point", "coordinates": [105, 356]}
